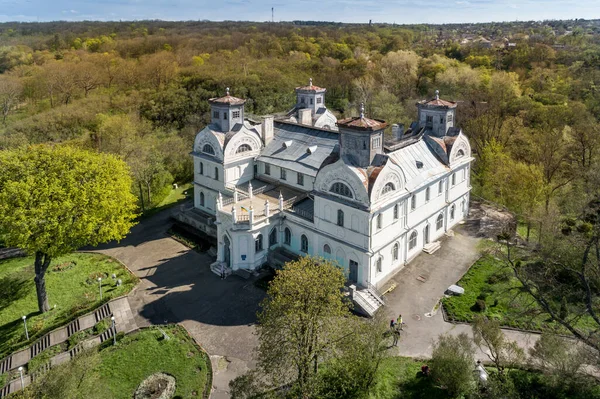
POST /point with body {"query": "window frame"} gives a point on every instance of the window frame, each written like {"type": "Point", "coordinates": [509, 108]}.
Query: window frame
{"type": "Point", "coordinates": [379, 221]}
{"type": "Point", "coordinates": [201, 198]}
{"type": "Point", "coordinates": [413, 202]}
{"type": "Point", "coordinates": [267, 169]}
{"type": "Point", "coordinates": [282, 174]}
{"type": "Point", "coordinates": [258, 243]}
{"type": "Point", "coordinates": [243, 148]}
{"type": "Point", "coordinates": [396, 212]}
{"type": "Point", "coordinates": [216, 173]}
{"type": "Point", "coordinates": [236, 114]}
{"type": "Point", "coordinates": [439, 222]}
{"type": "Point", "coordinates": [412, 241]}
{"type": "Point", "coordinates": [340, 218]}
{"type": "Point", "coordinates": [299, 178]}
{"type": "Point", "coordinates": [327, 249]}
{"type": "Point", "coordinates": [209, 152]}
{"type": "Point", "coordinates": [273, 237]}
{"type": "Point", "coordinates": [287, 236]}
{"type": "Point", "coordinates": [201, 167]}
{"type": "Point", "coordinates": [379, 265]}
{"type": "Point", "coordinates": [341, 189]}
{"type": "Point", "coordinates": [395, 251]}
{"type": "Point", "coordinates": [304, 243]}
{"type": "Point", "coordinates": [427, 194]}
{"type": "Point", "coordinates": [440, 187]}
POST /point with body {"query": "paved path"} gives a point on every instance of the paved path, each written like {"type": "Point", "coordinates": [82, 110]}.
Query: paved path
{"type": "Point", "coordinates": [177, 286]}
{"type": "Point", "coordinates": [416, 300]}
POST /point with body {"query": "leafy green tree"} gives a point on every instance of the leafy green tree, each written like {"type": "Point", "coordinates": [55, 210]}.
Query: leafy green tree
{"type": "Point", "coordinates": [56, 199]}
{"type": "Point", "coordinates": [452, 364]}
{"type": "Point", "coordinates": [503, 352]}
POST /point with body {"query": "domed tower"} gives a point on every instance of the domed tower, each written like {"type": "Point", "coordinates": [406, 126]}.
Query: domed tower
{"type": "Point", "coordinates": [436, 115]}
{"type": "Point", "coordinates": [311, 97]}
{"type": "Point", "coordinates": [361, 138]}
{"type": "Point", "coordinates": [226, 111]}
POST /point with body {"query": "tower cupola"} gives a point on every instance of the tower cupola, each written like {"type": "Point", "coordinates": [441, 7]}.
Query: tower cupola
{"type": "Point", "coordinates": [436, 115]}
{"type": "Point", "coordinates": [361, 138]}
{"type": "Point", "coordinates": [226, 111]}
{"type": "Point", "coordinates": [312, 97]}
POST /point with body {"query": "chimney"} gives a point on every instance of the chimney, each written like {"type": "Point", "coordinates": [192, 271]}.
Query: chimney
{"type": "Point", "coordinates": [267, 129]}
{"type": "Point", "coordinates": [397, 131]}
{"type": "Point", "coordinates": [305, 116]}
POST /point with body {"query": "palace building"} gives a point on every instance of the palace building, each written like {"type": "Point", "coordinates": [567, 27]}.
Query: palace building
{"type": "Point", "coordinates": [306, 183]}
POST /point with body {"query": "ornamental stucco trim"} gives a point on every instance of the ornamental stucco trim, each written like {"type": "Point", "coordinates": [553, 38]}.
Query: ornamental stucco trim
{"type": "Point", "coordinates": [342, 173]}
{"type": "Point", "coordinates": [461, 143]}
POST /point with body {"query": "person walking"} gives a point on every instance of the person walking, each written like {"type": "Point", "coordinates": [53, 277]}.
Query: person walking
{"type": "Point", "coordinates": [392, 324]}
{"type": "Point", "coordinates": [399, 322]}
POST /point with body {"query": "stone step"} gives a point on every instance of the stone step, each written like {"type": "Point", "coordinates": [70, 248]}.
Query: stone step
{"type": "Point", "coordinates": [40, 345]}
{"type": "Point", "coordinates": [215, 267]}
{"type": "Point", "coordinates": [108, 334]}
{"type": "Point", "coordinates": [5, 364]}
{"type": "Point", "coordinates": [5, 391]}
{"type": "Point", "coordinates": [73, 328]}
{"type": "Point", "coordinates": [243, 273]}
{"type": "Point", "coordinates": [432, 247]}
{"type": "Point", "coordinates": [102, 312]}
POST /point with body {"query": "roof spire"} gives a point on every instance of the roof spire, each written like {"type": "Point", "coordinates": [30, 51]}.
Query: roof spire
{"type": "Point", "coordinates": [437, 94]}
{"type": "Point", "coordinates": [362, 110]}
{"type": "Point", "coordinates": [310, 82]}
{"type": "Point", "coordinates": [227, 91]}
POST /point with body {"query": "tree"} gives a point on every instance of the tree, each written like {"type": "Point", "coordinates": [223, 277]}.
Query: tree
{"type": "Point", "coordinates": [56, 199]}
{"type": "Point", "coordinates": [300, 323]}
{"type": "Point", "coordinates": [558, 357]}
{"type": "Point", "coordinates": [452, 364]}
{"type": "Point", "coordinates": [488, 335]}
{"type": "Point", "coordinates": [567, 265]}
{"type": "Point", "coordinates": [11, 91]}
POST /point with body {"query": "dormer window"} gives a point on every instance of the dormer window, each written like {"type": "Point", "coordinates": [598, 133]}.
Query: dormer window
{"type": "Point", "coordinates": [236, 114]}
{"type": "Point", "coordinates": [388, 188]}
{"type": "Point", "coordinates": [287, 144]}
{"type": "Point", "coordinates": [419, 164]}
{"type": "Point", "coordinates": [208, 149]}
{"type": "Point", "coordinates": [311, 149]}
{"type": "Point", "coordinates": [341, 189]}
{"type": "Point", "coordinates": [243, 148]}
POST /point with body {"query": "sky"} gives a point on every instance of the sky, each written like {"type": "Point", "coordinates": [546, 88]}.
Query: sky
{"type": "Point", "coordinates": [361, 11]}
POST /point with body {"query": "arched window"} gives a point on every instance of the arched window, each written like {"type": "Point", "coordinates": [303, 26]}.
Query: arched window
{"type": "Point", "coordinates": [287, 236]}
{"type": "Point", "coordinates": [427, 194]}
{"type": "Point", "coordinates": [378, 265]}
{"type": "Point", "coordinates": [379, 221]}
{"type": "Point", "coordinates": [273, 237]}
{"type": "Point", "coordinates": [208, 149]}
{"type": "Point", "coordinates": [460, 153]}
{"type": "Point", "coordinates": [412, 242]}
{"type": "Point", "coordinates": [304, 244]}
{"type": "Point", "coordinates": [452, 211]}
{"type": "Point", "coordinates": [201, 168]}
{"type": "Point", "coordinates": [243, 148]}
{"type": "Point", "coordinates": [327, 249]}
{"type": "Point", "coordinates": [201, 199]}
{"type": "Point", "coordinates": [396, 211]}
{"type": "Point", "coordinates": [395, 251]}
{"type": "Point", "coordinates": [387, 188]}
{"type": "Point", "coordinates": [340, 218]}
{"type": "Point", "coordinates": [258, 243]}
{"type": "Point", "coordinates": [341, 189]}
{"type": "Point", "coordinates": [439, 223]}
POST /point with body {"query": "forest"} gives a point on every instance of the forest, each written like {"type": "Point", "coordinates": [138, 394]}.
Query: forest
{"type": "Point", "coordinates": [528, 92]}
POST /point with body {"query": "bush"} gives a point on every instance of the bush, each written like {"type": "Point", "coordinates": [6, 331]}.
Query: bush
{"type": "Point", "coordinates": [480, 305]}
{"type": "Point", "coordinates": [452, 364]}
{"type": "Point", "coordinates": [102, 326]}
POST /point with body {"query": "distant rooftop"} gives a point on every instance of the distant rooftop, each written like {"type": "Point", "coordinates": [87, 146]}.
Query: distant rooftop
{"type": "Point", "coordinates": [227, 100]}
{"type": "Point", "coordinates": [310, 87]}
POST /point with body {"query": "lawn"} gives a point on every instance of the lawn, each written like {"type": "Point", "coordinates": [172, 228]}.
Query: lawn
{"type": "Point", "coordinates": [71, 282]}
{"type": "Point", "coordinates": [397, 378]}
{"type": "Point", "coordinates": [175, 196]}
{"type": "Point", "coordinates": [118, 370]}
{"type": "Point", "coordinates": [492, 283]}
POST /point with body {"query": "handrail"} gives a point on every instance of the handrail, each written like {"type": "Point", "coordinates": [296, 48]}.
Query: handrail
{"type": "Point", "coordinates": [303, 213]}
{"type": "Point", "coordinates": [358, 298]}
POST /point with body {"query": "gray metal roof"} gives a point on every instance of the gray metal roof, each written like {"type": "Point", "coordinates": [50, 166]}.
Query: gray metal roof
{"type": "Point", "coordinates": [296, 157]}
{"type": "Point", "coordinates": [407, 158]}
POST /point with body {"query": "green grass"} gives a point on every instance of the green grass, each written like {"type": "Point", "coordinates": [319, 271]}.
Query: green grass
{"type": "Point", "coordinates": [118, 370]}
{"type": "Point", "coordinates": [397, 378]}
{"type": "Point", "coordinates": [71, 285]}
{"type": "Point", "coordinates": [490, 280]}
{"type": "Point", "coordinates": [175, 196]}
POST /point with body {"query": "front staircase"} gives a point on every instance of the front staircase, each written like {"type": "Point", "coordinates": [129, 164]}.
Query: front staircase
{"type": "Point", "coordinates": [280, 256]}
{"type": "Point", "coordinates": [367, 300]}
{"type": "Point", "coordinates": [432, 247]}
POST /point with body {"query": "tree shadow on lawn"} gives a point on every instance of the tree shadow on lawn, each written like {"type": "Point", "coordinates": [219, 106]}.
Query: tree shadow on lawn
{"type": "Point", "coordinates": [12, 288]}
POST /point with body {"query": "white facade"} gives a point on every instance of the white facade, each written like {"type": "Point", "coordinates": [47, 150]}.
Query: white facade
{"type": "Point", "coordinates": [370, 206]}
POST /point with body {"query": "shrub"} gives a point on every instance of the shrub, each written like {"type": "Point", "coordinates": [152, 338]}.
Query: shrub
{"type": "Point", "coordinates": [102, 326]}
{"type": "Point", "coordinates": [452, 363]}
{"type": "Point", "coordinates": [480, 305]}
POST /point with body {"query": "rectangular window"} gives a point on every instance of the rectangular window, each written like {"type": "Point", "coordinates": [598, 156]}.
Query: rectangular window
{"type": "Point", "coordinates": [300, 179]}
{"type": "Point", "coordinates": [225, 116]}
{"type": "Point", "coordinates": [267, 169]}
{"type": "Point", "coordinates": [216, 173]}
{"type": "Point", "coordinates": [427, 194]}
{"type": "Point", "coordinates": [302, 100]}
{"type": "Point", "coordinates": [319, 100]}
{"type": "Point", "coordinates": [282, 174]}
{"type": "Point", "coordinates": [236, 114]}
{"type": "Point", "coordinates": [453, 179]}
{"type": "Point", "coordinates": [440, 187]}
{"type": "Point", "coordinates": [449, 118]}
{"type": "Point", "coordinates": [441, 119]}
{"type": "Point", "coordinates": [396, 211]}
{"type": "Point", "coordinates": [376, 142]}
{"type": "Point", "coordinates": [413, 202]}
{"type": "Point", "coordinates": [216, 114]}
{"type": "Point", "coordinates": [429, 120]}
{"type": "Point", "coordinates": [464, 176]}
{"type": "Point", "coordinates": [311, 101]}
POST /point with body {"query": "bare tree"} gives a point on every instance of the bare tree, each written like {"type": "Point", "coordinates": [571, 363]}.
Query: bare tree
{"type": "Point", "coordinates": [11, 91]}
